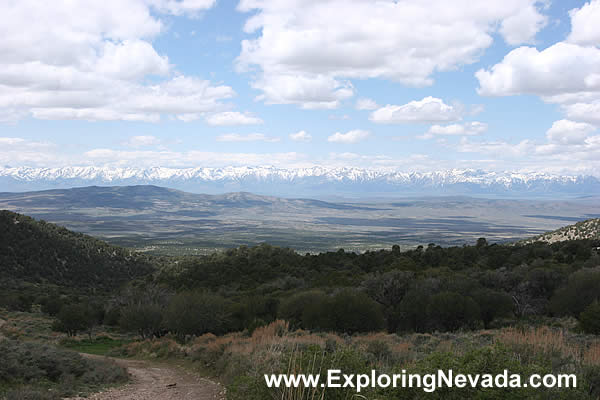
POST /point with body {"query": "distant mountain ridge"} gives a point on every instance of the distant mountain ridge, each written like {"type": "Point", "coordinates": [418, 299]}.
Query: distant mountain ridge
{"type": "Point", "coordinates": [589, 229]}
{"type": "Point", "coordinates": [314, 181]}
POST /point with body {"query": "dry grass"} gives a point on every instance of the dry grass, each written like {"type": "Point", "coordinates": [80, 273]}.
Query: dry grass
{"type": "Point", "coordinates": [591, 355]}
{"type": "Point", "coordinates": [553, 341]}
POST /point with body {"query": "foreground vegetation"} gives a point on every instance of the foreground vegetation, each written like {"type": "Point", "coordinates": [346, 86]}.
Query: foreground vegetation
{"type": "Point", "coordinates": [474, 308]}
{"type": "Point", "coordinates": [240, 360]}
{"type": "Point", "coordinates": [32, 370]}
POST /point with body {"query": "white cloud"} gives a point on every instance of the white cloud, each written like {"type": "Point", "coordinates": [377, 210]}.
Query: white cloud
{"type": "Point", "coordinates": [467, 129]}
{"type": "Point", "coordinates": [584, 21]}
{"type": "Point", "coordinates": [522, 27]}
{"type": "Point", "coordinates": [11, 141]}
{"type": "Point", "coordinates": [588, 112]}
{"type": "Point", "coordinates": [569, 132]}
{"type": "Point", "coordinates": [130, 60]}
{"type": "Point", "coordinates": [501, 156]}
{"type": "Point", "coordinates": [566, 73]}
{"type": "Point", "coordinates": [301, 136]}
{"type": "Point", "coordinates": [181, 7]}
{"type": "Point", "coordinates": [306, 50]}
{"type": "Point", "coordinates": [192, 158]}
{"type": "Point", "coordinates": [499, 148]}
{"type": "Point", "coordinates": [229, 118]}
{"type": "Point", "coordinates": [425, 111]}
{"type": "Point", "coordinates": [142, 141]}
{"type": "Point", "coordinates": [349, 137]}
{"type": "Point", "coordinates": [366, 104]}
{"type": "Point", "coordinates": [561, 69]}
{"type": "Point", "coordinates": [310, 92]}
{"type": "Point", "coordinates": [570, 146]}
{"type": "Point", "coordinates": [95, 61]}
{"type": "Point", "coordinates": [252, 137]}
{"type": "Point", "coordinates": [21, 151]}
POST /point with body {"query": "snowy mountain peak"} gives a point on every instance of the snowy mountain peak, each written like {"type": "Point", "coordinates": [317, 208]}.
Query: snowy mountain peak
{"type": "Point", "coordinates": [306, 181]}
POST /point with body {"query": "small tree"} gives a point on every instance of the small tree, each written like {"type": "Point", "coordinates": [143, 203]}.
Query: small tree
{"type": "Point", "coordinates": [292, 309]}
{"type": "Point", "coordinates": [197, 313]}
{"type": "Point", "coordinates": [348, 311]}
{"type": "Point", "coordinates": [590, 319]}
{"type": "Point", "coordinates": [354, 312]}
{"type": "Point", "coordinates": [317, 312]}
{"type": "Point", "coordinates": [492, 304]}
{"type": "Point", "coordinates": [145, 319]}
{"type": "Point", "coordinates": [72, 318]}
{"type": "Point", "coordinates": [412, 311]}
{"type": "Point", "coordinates": [582, 290]}
{"type": "Point", "coordinates": [449, 311]}
{"type": "Point", "coordinates": [51, 305]}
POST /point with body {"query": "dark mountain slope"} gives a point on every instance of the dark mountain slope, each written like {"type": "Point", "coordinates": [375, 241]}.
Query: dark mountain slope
{"type": "Point", "coordinates": [39, 252]}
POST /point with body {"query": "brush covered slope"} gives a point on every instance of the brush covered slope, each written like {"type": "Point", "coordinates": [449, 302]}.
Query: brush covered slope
{"type": "Point", "coordinates": [589, 229]}
{"type": "Point", "coordinates": [38, 252]}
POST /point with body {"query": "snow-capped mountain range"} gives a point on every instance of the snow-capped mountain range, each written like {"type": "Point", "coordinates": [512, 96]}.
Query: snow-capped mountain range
{"type": "Point", "coordinates": [314, 181]}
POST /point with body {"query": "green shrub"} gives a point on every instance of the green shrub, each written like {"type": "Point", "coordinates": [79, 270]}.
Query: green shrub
{"type": "Point", "coordinates": [582, 290]}
{"type": "Point", "coordinates": [196, 313]}
{"type": "Point", "coordinates": [492, 304]}
{"type": "Point", "coordinates": [292, 308]}
{"type": "Point", "coordinates": [74, 318]}
{"type": "Point", "coordinates": [51, 305]}
{"type": "Point", "coordinates": [590, 319]}
{"type": "Point", "coordinates": [348, 311]}
{"type": "Point", "coordinates": [145, 319]}
{"type": "Point", "coordinates": [449, 311]}
{"type": "Point", "coordinates": [28, 369]}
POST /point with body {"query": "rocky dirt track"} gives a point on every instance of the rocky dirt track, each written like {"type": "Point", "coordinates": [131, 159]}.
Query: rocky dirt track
{"type": "Point", "coordinates": [151, 381]}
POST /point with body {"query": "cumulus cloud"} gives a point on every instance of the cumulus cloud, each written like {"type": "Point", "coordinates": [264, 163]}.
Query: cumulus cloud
{"type": "Point", "coordinates": [21, 151]}
{"type": "Point", "coordinates": [252, 137]}
{"type": "Point", "coordinates": [569, 146]}
{"type": "Point", "coordinates": [425, 111]}
{"type": "Point", "coordinates": [467, 129]}
{"type": "Point", "coordinates": [569, 132]}
{"type": "Point", "coordinates": [305, 51]}
{"type": "Point", "coordinates": [181, 7]}
{"type": "Point", "coordinates": [584, 22]}
{"type": "Point", "coordinates": [522, 27]}
{"type": "Point", "coordinates": [566, 73]}
{"type": "Point", "coordinates": [310, 92]}
{"type": "Point", "coordinates": [588, 112]}
{"type": "Point", "coordinates": [301, 136]}
{"type": "Point", "coordinates": [349, 137]}
{"type": "Point", "coordinates": [93, 61]}
{"type": "Point", "coordinates": [228, 118]}
{"type": "Point", "coordinates": [561, 69]}
{"type": "Point", "coordinates": [366, 104]}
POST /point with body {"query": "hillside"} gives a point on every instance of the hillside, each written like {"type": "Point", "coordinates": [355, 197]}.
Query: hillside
{"type": "Point", "coordinates": [589, 229]}
{"type": "Point", "coordinates": [42, 253]}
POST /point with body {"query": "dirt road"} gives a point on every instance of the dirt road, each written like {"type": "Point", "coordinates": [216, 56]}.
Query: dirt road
{"type": "Point", "coordinates": [151, 381]}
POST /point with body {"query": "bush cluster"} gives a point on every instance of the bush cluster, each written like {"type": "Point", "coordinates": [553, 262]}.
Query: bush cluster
{"type": "Point", "coordinates": [31, 370]}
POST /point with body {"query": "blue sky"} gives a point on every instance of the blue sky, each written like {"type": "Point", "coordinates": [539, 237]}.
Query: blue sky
{"type": "Point", "coordinates": [405, 85]}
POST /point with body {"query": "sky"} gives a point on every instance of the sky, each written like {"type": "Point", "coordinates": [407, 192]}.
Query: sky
{"type": "Point", "coordinates": [408, 85]}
